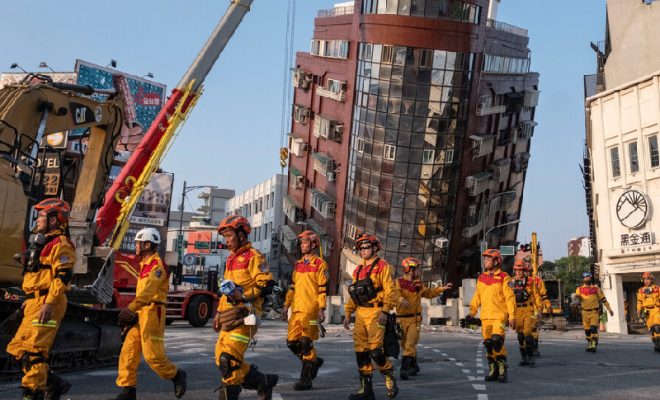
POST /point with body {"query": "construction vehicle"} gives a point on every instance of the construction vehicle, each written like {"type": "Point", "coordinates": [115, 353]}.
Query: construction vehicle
{"type": "Point", "coordinates": [556, 318]}
{"type": "Point", "coordinates": [88, 336]}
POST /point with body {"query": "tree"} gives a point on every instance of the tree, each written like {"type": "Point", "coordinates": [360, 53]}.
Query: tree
{"type": "Point", "coordinates": [570, 269]}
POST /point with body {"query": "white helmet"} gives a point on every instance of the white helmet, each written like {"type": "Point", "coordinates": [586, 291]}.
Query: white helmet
{"type": "Point", "coordinates": [148, 235]}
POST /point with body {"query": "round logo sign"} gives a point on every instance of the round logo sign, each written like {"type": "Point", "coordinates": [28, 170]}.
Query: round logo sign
{"type": "Point", "coordinates": [189, 259]}
{"type": "Point", "coordinates": [632, 209]}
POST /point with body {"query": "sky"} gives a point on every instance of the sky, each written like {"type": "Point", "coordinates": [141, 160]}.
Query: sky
{"type": "Point", "coordinates": [232, 137]}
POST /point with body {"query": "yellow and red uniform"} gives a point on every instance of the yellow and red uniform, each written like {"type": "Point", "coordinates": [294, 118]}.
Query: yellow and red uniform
{"type": "Point", "coordinates": [545, 304]}
{"type": "Point", "coordinates": [147, 337]}
{"type": "Point", "coordinates": [410, 317]}
{"type": "Point", "coordinates": [368, 334]}
{"type": "Point", "coordinates": [497, 302]}
{"type": "Point", "coordinates": [247, 268]}
{"type": "Point", "coordinates": [648, 302]}
{"type": "Point", "coordinates": [47, 285]}
{"type": "Point", "coordinates": [528, 303]}
{"type": "Point", "coordinates": [591, 297]}
{"type": "Point", "coordinates": [306, 296]}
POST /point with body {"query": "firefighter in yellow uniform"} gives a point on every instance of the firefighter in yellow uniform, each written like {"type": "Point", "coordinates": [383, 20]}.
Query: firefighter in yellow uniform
{"type": "Point", "coordinates": [497, 301]}
{"type": "Point", "coordinates": [546, 306]}
{"type": "Point", "coordinates": [306, 300]}
{"type": "Point", "coordinates": [248, 270]}
{"type": "Point", "coordinates": [528, 304]}
{"type": "Point", "coordinates": [409, 311]}
{"type": "Point", "coordinates": [648, 307]}
{"type": "Point", "coordinates": [144, 322]}
{"type": "Point", "coordinates": [372, 297]}
{"type": "Point", "coordinates": [591, 297]}
{"type": "Point", "coordinates": [48, 268]}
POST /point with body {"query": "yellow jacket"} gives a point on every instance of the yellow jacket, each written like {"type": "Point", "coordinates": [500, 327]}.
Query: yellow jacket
{"type": "Point", "coordinates": [413, 293]}
{"type": "Point", "coordinates": [60, 255]}
{"type": "Point", "coordinates": [540, 285]}
{"type": "Point", "coordinates": [590, 297]}
{"type": "Point", "coordinates": [529, 285]}
{"type": "Point", "coordinates": [248, 269]}
{"type": "Point", "coordinates": [307, 293]}
{"type": "Point", "coordinates": [648, 301]}
{"type": "Point", "coordinates": [494, 296]}
{"type": "Point", "coordinates": [381, 276]}
{"type": "Point", "coordinates": [152, 284]}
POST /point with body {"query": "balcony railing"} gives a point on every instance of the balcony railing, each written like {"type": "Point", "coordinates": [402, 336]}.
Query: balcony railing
{"type": "Point", "coordinates": [333, 12]}
{"type": "Point", "coordinates": [501, 26]}
{"type": "Point", "coordinates": [470, 231]}
{"type": "Point", "coordinates": [338, 96]}
{"type": "Point", "coordinates": [488, 110]}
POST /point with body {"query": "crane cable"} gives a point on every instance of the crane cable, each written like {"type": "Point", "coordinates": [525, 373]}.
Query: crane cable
{"type": "Point", "coordinates": [286, 81]}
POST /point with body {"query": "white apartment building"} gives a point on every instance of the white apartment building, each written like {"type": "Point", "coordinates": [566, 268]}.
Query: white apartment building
{"type": "Point", "coordinates": [262, 206]}
{"type": "Point", "coordinates": [580, 246]}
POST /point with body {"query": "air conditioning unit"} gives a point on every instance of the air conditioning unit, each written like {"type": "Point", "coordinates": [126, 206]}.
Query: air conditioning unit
{"type": "Point", "coordinates": [331, 176]}
{"type": "Point", "coordinates": [441, 242]}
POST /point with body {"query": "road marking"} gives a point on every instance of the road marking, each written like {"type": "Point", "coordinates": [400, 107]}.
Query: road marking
{"type": "Point", "coordinates": [436, 350]}
{"type": "Point", "coordinates": [277, 396]}
{"type": "Point", "coordinates": [452, 359]}
{"type": "Point", "coordinates": [477, 386]}
{"type": "Point", "coordinates": [459, 364]}
{"type": "Point", "coordinates": [482, 396]}
{"type": "Point", "coordinates": [444, 354]}
{"type": "Point", "coordinates": [466, 371]}
{"type": "Point", "coordinates": [472, 377]}
{"type": "Point", "coordinates": [480, 371]}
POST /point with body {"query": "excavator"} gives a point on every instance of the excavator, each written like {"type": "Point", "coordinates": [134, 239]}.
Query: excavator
{"type": "Point", "coordinates": [31, 170]}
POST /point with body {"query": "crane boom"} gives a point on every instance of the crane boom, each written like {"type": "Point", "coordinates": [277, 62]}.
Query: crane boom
{"type": "Point", "coordinates": [184, 96]}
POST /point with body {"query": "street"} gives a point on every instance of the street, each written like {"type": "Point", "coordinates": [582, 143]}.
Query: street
{"type": "Point", "coordinates": [452, 362]}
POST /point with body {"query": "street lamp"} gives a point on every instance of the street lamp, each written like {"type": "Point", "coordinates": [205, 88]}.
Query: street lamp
{"type": "Point", "coordinates": [484, 240]}
{"type": "Point", "coordinates": [44, 65]}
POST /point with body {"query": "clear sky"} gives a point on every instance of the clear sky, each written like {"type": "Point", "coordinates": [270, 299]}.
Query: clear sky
{"type": "Point", "coordinates": [232, 137]}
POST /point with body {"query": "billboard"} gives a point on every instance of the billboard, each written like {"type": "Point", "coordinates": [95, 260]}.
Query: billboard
{"type": "Point", "coordinates": [147, 97]}
{"type": "Point", "coordinates": [152, 210]}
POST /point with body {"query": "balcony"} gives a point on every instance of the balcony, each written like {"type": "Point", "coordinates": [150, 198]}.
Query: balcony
{"type": "Point", "coordinates": [482, 145]}
{"type": "Point", "coordinates": [327, 128]}
{"type": "Point", "coordinates": [301, 79]}
{"type": "Point", "coordinates": [322, 203]}
{"type": "Point", "coordinates": [483, 110]}
{"type": "Point", "coordinates": [501, 169]}
{"type": "Point", "coordinates": [531, 98]}
{"type": "Point", "coordinates": [333, 12]}
{"type": "Point", "coordinates": [507, 135]}
{"type": "Point", "coordinates": [526, 130]}
{"type": "Point", "coordinates": [478, 183]}
{"type": "Point", "coordinates": [324, 165]}
{"type": "Point", "coordinates": [501, 26]}
{"type": "Point", "coordinates": [292, 210]}
{"type": "Point", "coordinates": [520, 162]}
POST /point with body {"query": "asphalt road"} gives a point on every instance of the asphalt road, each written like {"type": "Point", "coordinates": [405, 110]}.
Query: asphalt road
{"type": "Point", "coordinates": [452, 362]}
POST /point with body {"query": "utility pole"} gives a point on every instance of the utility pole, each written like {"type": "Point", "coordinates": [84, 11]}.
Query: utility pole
{"type": "Point", "coordinates": [180, 235]}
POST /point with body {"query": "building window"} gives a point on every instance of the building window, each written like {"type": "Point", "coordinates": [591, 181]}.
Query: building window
{"type": "Point", "coordinates": [389, 152]}
{"type": "Point", "coordinates": [267, 203]}
{"type": "Point", "coordinates": [614, 159]}
{"type": "Point", "coordinates": [632, 155]}
{"type": "Point", "coordinates": [449, 156]}
{"type": "Point", "coordinates": [428, 156]}
{"type": "Point", "coordinates": [387, 56]}
{"type": "Point", "coordinates": [352, 231]}
{"type": "Point", "coordinates": [653, 151]}
{"type": "Point", "coordinates": [359, 145]}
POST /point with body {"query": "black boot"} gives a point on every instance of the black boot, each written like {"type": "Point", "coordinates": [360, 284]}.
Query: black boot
{"type": "Point", "coordinates": [262, 383]}
{"type": "Point", "coordinates": [525, 357]}
{"type": "Point", "coordinates": [29, 394]}
{"type": "Point", "coordinates": [415, 367]}
{"type": "Point", "coordinates": [405, 368]}
{"type": "Point", "coordinates": [317, 364]}
{"type": "Point", "coordinates": [180, 384]}
{"type": "Point", "coordinates": [536, 349]}
{"type": "Point", "coordinates": [656, 343]}
{"type": "Point", "coordinates": [493, 371]}
{"type": "Point", "coordinates": [230, 392]}
{"type": "Point", "coordinates": [390, 383]}
{"type": "Point", "coordinates": [56, 387]}
{"type": "Point", "coordinates": [127, 393]}
{"type": "Point", "coordinates": [529, 347]}
{"type": "Point", "coordinates": [502, 369]}
{"type": "Point", "coordinates": [305, 381]}
{"type": "Point", "coordinates": [366, 390]}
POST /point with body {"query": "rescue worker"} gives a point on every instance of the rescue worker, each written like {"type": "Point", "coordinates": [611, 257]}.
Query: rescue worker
{"type": "Point", "coordinates": [409, 311]}
{"type": "Point", "coordinates": [246, 268]}
{"type": "Point", "coordinates": [372, 297]}
{"type": "Point", "coordinates": [528, 304]}
{"type": "Point", "coordinates": [306, 300]}
{"type": "Point", "coordinates": [497, 302]}
{"type": "Point", "coordinates": [546, 306]}
{"type": "Point", "coordinates": [648, 307]}
{"type": "Point", "coordinates": [144, 321]}
{"type": "Point", "coordinates": [47, 271]}
{"type": "Point", "coordinates": [591, 297]}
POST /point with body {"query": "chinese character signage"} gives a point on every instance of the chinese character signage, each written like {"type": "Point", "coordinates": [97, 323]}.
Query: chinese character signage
{"type": "Point", "coordinates": [636, 239]}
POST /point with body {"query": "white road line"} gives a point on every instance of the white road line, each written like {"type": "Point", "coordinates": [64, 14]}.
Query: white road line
{"type": "Point", "coordinates": [277, 396]}
{"type": "Point", "coordinates": [472, 377]}
{"type": "Point", "coordinates": [480, 371]}
{"type": "Point", "coordinates": [482, 396]}
{"type": "Point", "coordinates": [444, 354]}
{"type": "Point", "coordinates": [466, 371]}
{"type": "Point", "coordinates": [459, 364]}
{"type": "Point", "coordinates": [436, 350]}
{"type": "Point", "coordinates": [452, 359]}
{"type": "Point", "coordinates": [479, 386]}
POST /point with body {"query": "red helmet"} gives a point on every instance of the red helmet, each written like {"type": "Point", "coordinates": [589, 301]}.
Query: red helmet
{"type": "Point", "coordinates": [410, 263]}
{"type": "Point", "coordinates": [235, 222]}
{"type": "Point", "coordinates": [648, 275]}
{"type": "Point", "coordinates": [366, 238]}
{"type": "Point", "coordinates": [519, 264]}
{"type": "Point", "coordinates": [311, 236]}
{"type": "Point", "coordinates": [58, 207]}
{"type": "Point", "coordinates": [494, 254]}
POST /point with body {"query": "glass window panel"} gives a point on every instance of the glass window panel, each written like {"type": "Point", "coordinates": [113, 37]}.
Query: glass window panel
{"type": "Point", "coordinates": [383, 88]}
{"type": "Point", "coordinates": [423, 92]}
{"type": "Point", "coordinates": [394, 229]}
{"type": "Point", "coordinates": [400, 170]}
{"type": "Point", "coordinates": [409, 91]}
{"type": "Point", "coordinates": [392, 6]}
{"type": "Point", "coordinates": [405, 123]}
{"type": "Point", "coordinates": [396, 215]}
{"type": "Point", "coordinates": [419, 124]}
{"type": "Point", "coordinates": [394, 105]}
{"type": "Point", "coordinates": [373, 102]}
{"type": "Point", "coordinates": [402, 154]}
{"type": "Point", "coordinates": [397, 73]}
{"type": "Point", "coordinates": [439, 58]}
{"type": "Point", "coordinates": [391, 134]}
{"type": "Point", "coordinates": [377, 52]}
{"type": "Point", "coordinates": [400, 55]}
{"type": "Point", "coordinates": [384, 71]}
{"type": "Point", "coordinates": [424, 76]}
{"type": "Point", "coordinates": [392, 121]}
{"type": "Point", "coordinates": [421, 108]}
{"type": "Point", "coordinates": [371, 115]}
{"type": "Point", "coordinates": [614, 161]}
{"type": "Point", "coordinates": [632, 155]}
{"type": "Point", "coordinates": [410, 57]}
{"type": "Point", "coordinates": [404, 7]}
{"type": "Point", "coordinates": [653, 151]}
{"type": "Point", "coordinates": [379, 134]}
{"type": "Point", "coordinates": [407, 106]}
{"type": "Point", "coordinates": [376, 70]}
{"type": "Point", "coordinates": [432, 8]}
{"type": "Point", "coordinates": [417, 8]}
{"type": "Point", "coordinates": [396, 89]}
{"type": "Point", "coordinates": [382, 104]}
